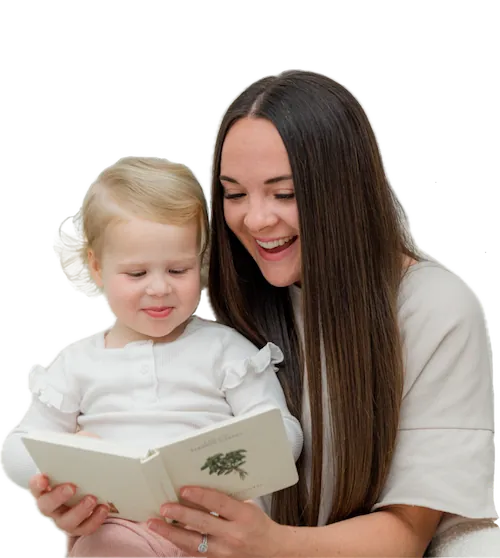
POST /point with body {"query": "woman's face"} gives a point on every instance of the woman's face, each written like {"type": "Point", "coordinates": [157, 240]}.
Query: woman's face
{"type": "Point", "coordinates": [259, 200]}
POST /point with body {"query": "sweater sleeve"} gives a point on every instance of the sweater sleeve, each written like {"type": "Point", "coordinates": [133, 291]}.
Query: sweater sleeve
{"type": "Point", "coordinates": [16, 460]}
{"type": "Point", "coordinates": [55, 407]}
{"type": "Point", "coordinates": [444, 457]}
{"type": "Point", "coordinates": [250, 383]}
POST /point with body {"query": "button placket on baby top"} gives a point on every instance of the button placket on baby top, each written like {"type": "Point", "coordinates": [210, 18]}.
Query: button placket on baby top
{"type": "Point", "coordinates": [146, 371]}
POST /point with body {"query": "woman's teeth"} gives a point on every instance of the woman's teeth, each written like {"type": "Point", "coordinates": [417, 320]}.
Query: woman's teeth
{"type": "Point", "coordinates": [274, 243]}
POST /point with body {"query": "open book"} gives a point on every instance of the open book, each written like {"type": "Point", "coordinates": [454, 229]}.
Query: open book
{"type": "Point", "coordinates": [246, 457]}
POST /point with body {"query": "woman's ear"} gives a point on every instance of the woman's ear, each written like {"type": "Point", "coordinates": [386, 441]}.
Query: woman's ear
{"type": "Point", "coordinates": [95, 268]}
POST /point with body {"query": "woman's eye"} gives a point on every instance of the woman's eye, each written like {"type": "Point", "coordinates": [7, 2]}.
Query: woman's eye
{"type": "Point", "coordinates": [136, 274]}
{"type": "Point", "coordinates": [277, 196]}
{"type": "Point", "coordinates": [177, 271]}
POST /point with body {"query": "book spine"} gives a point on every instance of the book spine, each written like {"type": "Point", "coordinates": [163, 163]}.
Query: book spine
{"type": "Point", "coordinates": [158, 481]}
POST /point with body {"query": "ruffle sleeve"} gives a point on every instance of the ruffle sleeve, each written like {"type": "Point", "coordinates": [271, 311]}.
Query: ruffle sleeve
{"type": "Point", "coordinates": [53, 388]}
{"type": "Point", "coordinates": [235, 372]}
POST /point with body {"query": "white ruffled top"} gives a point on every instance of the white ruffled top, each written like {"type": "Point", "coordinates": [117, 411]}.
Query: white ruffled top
{"type": "Point", "coordinates": [147, 393]}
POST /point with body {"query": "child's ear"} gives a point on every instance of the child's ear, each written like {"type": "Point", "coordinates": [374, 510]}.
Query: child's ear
{"type": "Point", "coordinates": [95, 268]}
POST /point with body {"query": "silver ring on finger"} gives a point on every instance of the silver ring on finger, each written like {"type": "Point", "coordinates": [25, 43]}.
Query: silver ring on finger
{"type": "Point", "coordinates": [203, 546]}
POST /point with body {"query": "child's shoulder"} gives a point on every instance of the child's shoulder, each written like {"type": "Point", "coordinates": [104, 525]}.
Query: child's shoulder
{"type": "Point", "coordinates": [81, 346]}
{"type": "Point", "coordinates": [210, 327]}
{"type": "Point", "coordinates": [232, 348]}
{"type": "Point", "coordinates": [214, 330]}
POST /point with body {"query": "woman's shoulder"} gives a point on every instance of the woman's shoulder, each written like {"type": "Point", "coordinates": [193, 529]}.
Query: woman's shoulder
{"type": "Point", "coordinates": [441, 324]}
{"type": "Point", "coordinates": [430, 290]}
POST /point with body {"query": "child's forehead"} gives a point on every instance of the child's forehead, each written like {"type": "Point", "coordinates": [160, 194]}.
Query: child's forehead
{"type": "Point", "coordinates": [137, 228]}
{"type": "Point", "coordinates": [142, 239]}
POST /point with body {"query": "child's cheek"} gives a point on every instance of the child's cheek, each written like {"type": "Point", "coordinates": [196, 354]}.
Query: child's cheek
{"type": "Point", "coordinates": [122, 287]}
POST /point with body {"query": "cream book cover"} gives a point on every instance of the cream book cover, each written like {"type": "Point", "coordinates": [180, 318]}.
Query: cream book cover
{"type": "Point", "coordinates": [245, 457]}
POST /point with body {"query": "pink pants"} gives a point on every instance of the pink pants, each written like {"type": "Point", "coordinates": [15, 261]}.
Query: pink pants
{"type": "Point", "coordinates": [118, 537]}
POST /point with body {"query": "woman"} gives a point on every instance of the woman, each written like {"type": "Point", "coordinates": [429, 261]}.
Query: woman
{"type": "Point", "coordinates": [387, 357]}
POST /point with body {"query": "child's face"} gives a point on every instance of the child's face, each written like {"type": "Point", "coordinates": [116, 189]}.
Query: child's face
{"type": "Point", "coordinates": [150, 274]}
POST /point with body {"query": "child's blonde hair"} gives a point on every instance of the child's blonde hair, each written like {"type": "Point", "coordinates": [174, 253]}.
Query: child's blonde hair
{"type": "Point", "coordinates": [145, 187]}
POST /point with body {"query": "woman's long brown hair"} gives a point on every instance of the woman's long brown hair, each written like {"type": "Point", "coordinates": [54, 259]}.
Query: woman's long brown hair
{"type": "Point", "coordinates": [353, 239]}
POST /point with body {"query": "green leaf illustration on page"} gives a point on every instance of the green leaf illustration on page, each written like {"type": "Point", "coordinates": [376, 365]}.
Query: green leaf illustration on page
{"type": "Point", "coordinates": [224, 464]}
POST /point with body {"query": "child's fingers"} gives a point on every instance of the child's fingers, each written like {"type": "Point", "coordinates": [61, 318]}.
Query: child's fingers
{"type": "Point", "coordinates": [49, 501]}
{"type": "Point", "coordinates": [82, 519]}
{"type": "Point", "coordinates": [39, 484]}
{"type": "Point", "coordinates": [88, 434]}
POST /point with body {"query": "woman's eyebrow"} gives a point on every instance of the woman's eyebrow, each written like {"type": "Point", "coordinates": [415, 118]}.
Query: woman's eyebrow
{"type": "Point", "coordinates": [272, 180]}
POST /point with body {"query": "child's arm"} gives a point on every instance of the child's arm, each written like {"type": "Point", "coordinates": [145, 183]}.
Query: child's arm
{"type": "Point", "coordinates": [251, 384]}
{"type": "Point", "coordinates": [54, 406]}
{"type": "Point", "coordinates": [16, 460]}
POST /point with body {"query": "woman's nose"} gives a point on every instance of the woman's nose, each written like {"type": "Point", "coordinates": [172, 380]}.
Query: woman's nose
{"type": "Point", "coordinates": [259, 217]}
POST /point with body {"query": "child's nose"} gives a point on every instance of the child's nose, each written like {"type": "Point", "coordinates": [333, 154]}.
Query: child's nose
{"type": "Point", "coordinates": [159, 286]}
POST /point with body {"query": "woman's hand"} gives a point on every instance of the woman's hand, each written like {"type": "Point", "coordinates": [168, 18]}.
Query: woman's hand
{"type": "Point", "coordinates": [241, 529]}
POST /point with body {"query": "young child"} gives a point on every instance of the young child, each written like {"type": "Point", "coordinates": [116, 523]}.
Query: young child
{"type": "Point", "coordinates": [159, 371]}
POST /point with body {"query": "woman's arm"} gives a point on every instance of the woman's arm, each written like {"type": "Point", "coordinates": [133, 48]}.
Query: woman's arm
{"type": "Point", "coordinates": [392, 531]}
{"type": "Point", "coordinates": [243, 530]}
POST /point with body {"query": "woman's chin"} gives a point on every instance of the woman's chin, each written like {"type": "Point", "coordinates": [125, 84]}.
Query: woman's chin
{"type": "Point", "coordinates": [280, 277]}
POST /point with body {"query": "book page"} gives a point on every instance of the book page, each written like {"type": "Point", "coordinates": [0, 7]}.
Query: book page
{"type": "Point", "coordinates": [116, 480]}
{"type": "Point", "coordinates": [245, 458]}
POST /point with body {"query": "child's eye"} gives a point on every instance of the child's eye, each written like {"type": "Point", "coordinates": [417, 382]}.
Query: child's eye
{"type": "Point", "coordinates": [177, 271]}
{"type": "Point", "coordinates": [136, 274]}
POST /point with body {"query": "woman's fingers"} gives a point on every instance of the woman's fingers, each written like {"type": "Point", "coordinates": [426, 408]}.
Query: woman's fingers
{"type": "Point", "coordinates": [186, 540]}
{"type": "Point", "coordinates": [214, 501]}
{"type": "Point", "coordinates": [193, 519]}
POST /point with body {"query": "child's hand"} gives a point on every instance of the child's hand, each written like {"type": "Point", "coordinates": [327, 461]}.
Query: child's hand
{"type": "Point", "coordinates": [82, 519]}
